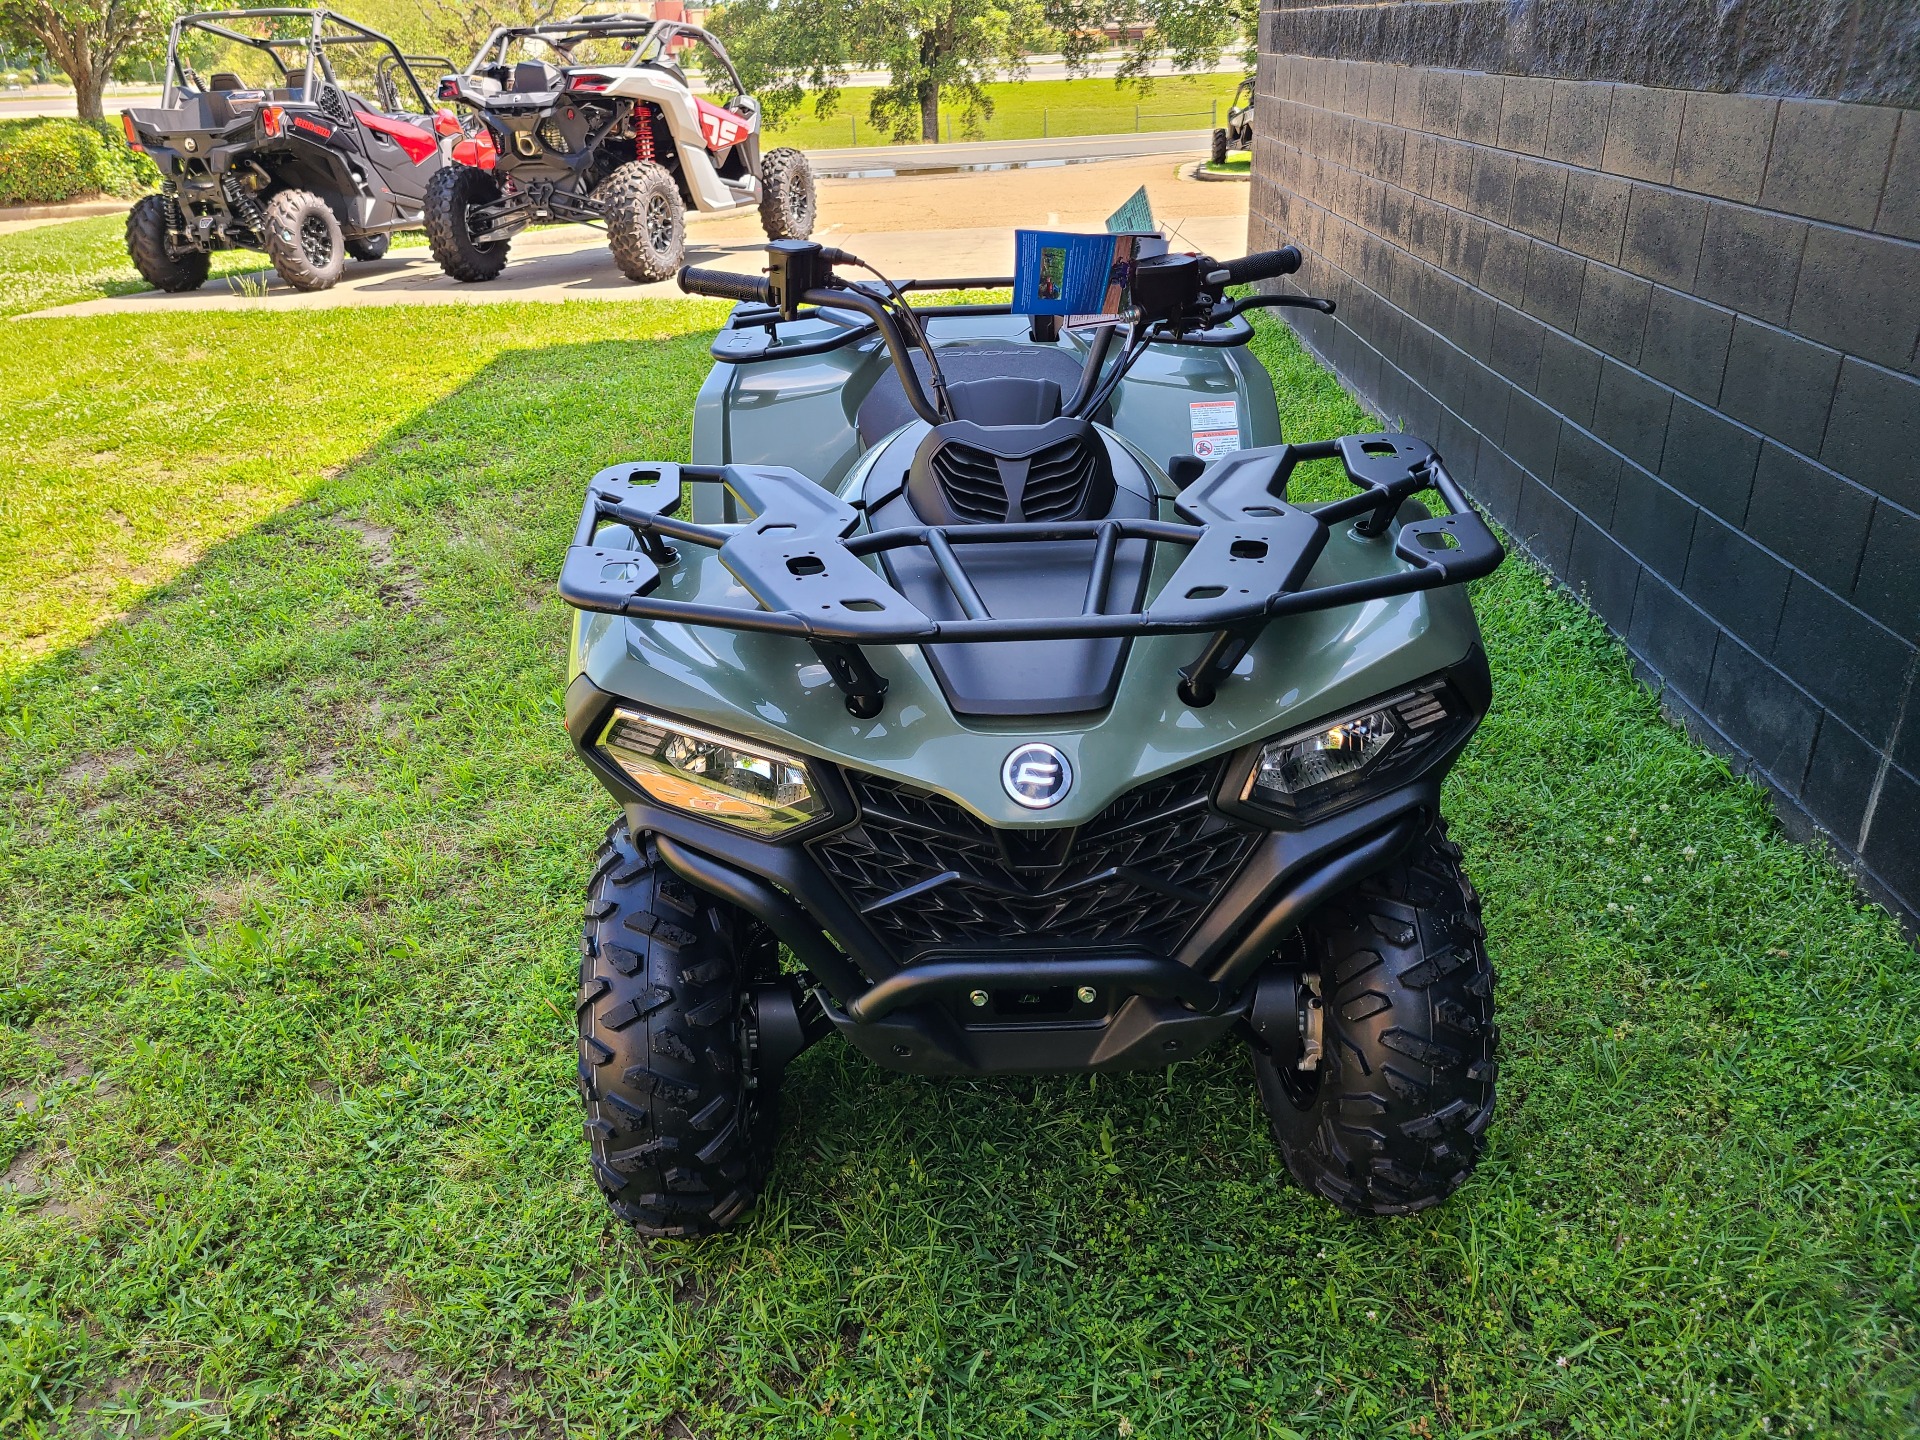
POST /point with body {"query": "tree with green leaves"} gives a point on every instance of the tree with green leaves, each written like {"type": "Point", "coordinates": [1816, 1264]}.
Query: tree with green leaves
{"type": "Point", "coordinates": [458, 26]}
{"type": "Point", "coordinates": [87, 38]}
{"type": "Point", "coordinates": [944, 52]}
{"type": "Point", "coordinates": [931, 50]}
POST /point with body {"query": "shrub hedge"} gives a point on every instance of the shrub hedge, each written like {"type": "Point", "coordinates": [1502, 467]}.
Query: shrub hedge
{"type": "Point", "coordinates": [46, 160]}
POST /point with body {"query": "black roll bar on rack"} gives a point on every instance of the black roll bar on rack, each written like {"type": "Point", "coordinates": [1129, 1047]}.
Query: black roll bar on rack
{"type": "Point", "coordinates": [800, 558]}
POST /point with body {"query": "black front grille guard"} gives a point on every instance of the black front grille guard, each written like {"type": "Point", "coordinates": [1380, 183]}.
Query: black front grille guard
{"type": "Point", "coordinates": [1248, 554]}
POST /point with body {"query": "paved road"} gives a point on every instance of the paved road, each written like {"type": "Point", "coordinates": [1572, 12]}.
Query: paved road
{"type": "Point", "coordinates": [875, 161]}
{"type": "Point", "coordinates": [1041, 67]}
{"type": "Point", "coordinates": [16, 107]}
{"type": "Point", "coordinates": [572, 263]}
{"type": "Point", "coordinates": [1052, 67]}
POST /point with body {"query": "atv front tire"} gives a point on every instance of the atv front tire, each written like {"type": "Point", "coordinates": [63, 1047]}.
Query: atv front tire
{"type": "Point", "coordinates": [1218, 154]}
{"type": "Point", "coordinates": [150, 245]}
{"type": "Point", "coordinates": [368, 247]}
{"type": "Point", "coordinates": [1395, 1116]}
{"type": "Point", "coordinates": [304, 240]}
{"type": "Point", "coordinates": [646, 220]}
{"type": "Point", "coordinates": [787, 206]}
{"type": "Point", "coordinates": [453, 194]}
{"type": "Point", "coordinates": [680, 1125]}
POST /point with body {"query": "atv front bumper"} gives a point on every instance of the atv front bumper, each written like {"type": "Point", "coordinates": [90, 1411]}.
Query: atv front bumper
{"type": "Point", "coordinates": [992, 1010]}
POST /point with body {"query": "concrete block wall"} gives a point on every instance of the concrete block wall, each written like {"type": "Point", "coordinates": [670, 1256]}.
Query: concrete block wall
{"type": "Point", "coordinates": [1670, 334]}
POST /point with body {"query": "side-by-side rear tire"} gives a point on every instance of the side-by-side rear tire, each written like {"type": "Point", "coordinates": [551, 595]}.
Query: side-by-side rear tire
{"type": "Point", "coordinates": [787, 205]}
{"type": "Point", "coordinates": [453, 194]}
{"type": "Point", "coordinates": [304, 240]}
{"type": "Point", "coordinates": [1217, 155]}
{"type": "Point", "coordinates": [680, 1117]}
{"type": "Point", "coordinates": [153, 252]}
{"type": "Point", "coordinates": [646, 221]}
{"type": "Point", "coordinates": [1394, 1116]}
{"type": "Point", "coordinates": [368, 247]}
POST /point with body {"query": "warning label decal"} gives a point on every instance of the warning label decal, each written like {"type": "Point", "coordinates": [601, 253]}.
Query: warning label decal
{"type": "Point", "coordinates": [1216, 427]}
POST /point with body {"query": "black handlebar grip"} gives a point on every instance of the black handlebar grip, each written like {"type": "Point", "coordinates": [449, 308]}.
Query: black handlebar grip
{"type": "Point", "coordinates": [1266, 265]}
{"type": "Point", "coordinates": [725, 285]}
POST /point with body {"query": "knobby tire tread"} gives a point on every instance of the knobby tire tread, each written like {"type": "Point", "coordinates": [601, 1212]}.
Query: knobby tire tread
{"type": "Point", "coordinates": [681, 1141]}
{"type": "Point", "coordinates": [1405, 1091]}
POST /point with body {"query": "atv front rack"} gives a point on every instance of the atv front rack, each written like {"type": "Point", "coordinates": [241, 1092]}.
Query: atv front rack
{"type": "Point", "coordinates": [1248, 556]}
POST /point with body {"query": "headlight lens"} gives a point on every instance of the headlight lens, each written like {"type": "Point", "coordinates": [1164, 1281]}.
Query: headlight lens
{"type": "Point", "coordinates": [1310, 772]}
{"type": "Point", "coordinates": [1344, 748]}
{"type": "Point", "coordinates": [716, 777]}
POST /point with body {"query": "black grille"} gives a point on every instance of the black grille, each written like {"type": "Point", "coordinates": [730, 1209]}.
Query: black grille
{"type": "Point", "coordinates": [970, 479]}
{"type": "Point", "coordinates": [927, 875]}
{"type": "Point", "coordinates": [334, 104]}
{"type": "Point", "coordinates": [1058, 481]}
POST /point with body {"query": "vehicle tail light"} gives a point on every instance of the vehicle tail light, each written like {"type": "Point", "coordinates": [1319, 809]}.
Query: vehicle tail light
{"type": "Point", "coordinates": [588, 82]}
{"type": "Point", "coordinates": [133, 136]}
{"type": "Point", "coordinates": [270, 120]}
{"type": "Point", "coordinates": [445, 122]}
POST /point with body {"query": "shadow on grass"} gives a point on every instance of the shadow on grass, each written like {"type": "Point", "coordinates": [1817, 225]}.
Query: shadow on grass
{"type": "Point", "coordinates": [290, 867]}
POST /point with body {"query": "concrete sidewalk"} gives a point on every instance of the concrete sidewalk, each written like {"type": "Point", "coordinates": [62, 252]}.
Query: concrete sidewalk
{"type": "Point", "coordinates": [14, 218]}
{"type": "Point", "coordinates": [572, 263]}
{"type": "Point", "coordinates": [878, 161]}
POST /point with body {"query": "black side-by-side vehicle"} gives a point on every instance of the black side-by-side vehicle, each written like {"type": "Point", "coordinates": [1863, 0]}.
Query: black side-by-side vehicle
{"type": "Point", "coordinates": [314, 140]}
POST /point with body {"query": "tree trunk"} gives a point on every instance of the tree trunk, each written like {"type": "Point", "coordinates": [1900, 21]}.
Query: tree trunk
{"type": "Point", "coordinates": [72, 50]}
{"type": "Point", "coordinates": [87, 87]}
{"type": "Point", "coordinates": [929, 110]}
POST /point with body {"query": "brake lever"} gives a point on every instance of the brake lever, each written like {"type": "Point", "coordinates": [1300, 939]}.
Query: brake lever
{"type": "Point", "coordinates": [1274, 302]}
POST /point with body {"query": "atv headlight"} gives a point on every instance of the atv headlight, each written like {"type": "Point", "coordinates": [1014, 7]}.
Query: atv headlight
{"type": "Point", "coordinates": [1309, 772]}
{"type": "Point", "coordinates": [1337, 752]}
{"type": "Point", "coordinates": [715, 777]}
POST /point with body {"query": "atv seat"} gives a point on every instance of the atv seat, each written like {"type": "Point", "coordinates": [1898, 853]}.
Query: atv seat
{"type": "Point", "coordinates": [222, 91]}
{"type": "Point", "coordinates": [533, 77]}
{"type": "Point", "coordinates": [885, 409]}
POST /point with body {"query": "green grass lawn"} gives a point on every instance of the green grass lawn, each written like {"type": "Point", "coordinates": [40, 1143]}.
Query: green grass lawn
{"type": "Point", "coordinates": [83, 260]}
{"type": "Point", "coordinates": [87, 260]}
{"type": "Point", "coordinates": [290, 866]}
{"type": "Point", "coordinates": [1027, 109]}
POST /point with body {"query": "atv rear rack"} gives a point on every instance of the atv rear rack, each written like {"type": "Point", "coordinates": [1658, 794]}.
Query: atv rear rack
{"type": "Point", "coordinates": [1248, 555]}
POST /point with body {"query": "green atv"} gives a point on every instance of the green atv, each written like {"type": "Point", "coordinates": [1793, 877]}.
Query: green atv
{"type": "Point", "coordinates": [978, 694]}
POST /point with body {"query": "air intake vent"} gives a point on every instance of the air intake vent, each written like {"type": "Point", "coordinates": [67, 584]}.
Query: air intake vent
{"type": "Point", "coordinates": [970, 481]}
{"type": "Point", "coordinates": [1059, 479]}
{"type": "Point", "coordinates": [334, 104]}
{"type": "Point", "coordinates": [968, 473]}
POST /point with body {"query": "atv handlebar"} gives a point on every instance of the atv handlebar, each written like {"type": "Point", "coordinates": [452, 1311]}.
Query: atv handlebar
{"type": "Point", "coordinates": [1179, 299]}
{"type": "Point", "coordinates": [1265, 265]}
{"type": "Point", "coordinates": [724, 285]}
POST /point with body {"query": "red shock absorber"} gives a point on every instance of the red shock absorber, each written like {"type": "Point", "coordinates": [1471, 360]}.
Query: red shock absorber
{"type": "Point", "coordinates": [643, 132]}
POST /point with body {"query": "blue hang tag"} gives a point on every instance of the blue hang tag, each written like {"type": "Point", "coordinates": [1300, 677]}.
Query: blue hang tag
{"type": "Point", "coordinates": [1061, 274]}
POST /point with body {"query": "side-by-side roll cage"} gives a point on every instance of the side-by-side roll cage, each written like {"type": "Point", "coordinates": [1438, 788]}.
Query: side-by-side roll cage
{"type": "Point", "coordinates": [321, 29]}
{"type": "Point", "coordinates": [653, 39]}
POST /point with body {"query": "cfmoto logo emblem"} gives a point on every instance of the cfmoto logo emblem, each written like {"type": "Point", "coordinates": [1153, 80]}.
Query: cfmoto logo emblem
{"type": "Point", "coordinates": [1036, 776]}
